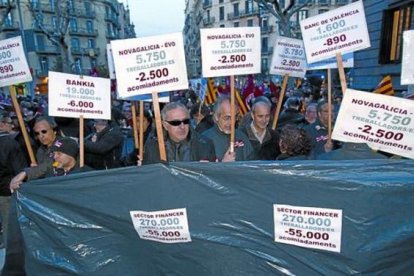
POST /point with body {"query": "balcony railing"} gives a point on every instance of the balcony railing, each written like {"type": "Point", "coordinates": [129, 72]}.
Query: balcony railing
{"type": "Point", "coordinates": [83, 32]}
{"type": "Point", "coordinates": [111, 35]}
{"type": "Point", "coordinates": [242, 13]}
{"type": "Point", "coordinates": [209, 21]}
{"type": "Point", "coordinates": [342, 2]}
{"type": "Point", "coordinates": [266, 29]}
{"type": "Point", "coordinates": [47, 49]}
{"type": "Point", "coordinates": [83, 13]}
{"type": "Point", "coordinates": [79, 51]}
{"type": "Point", "coordinates": [112, 18]}
{"type": "Point", "coordinates": [42, 73]}
{"type": "Point", "coordinates": [267, 51]}
{"type": "Point", "coordinates": [39, 27]}
{"type": "Point", "coordinates": [207, 4]}
{"type": "Point", "coordinates": [10, 26]}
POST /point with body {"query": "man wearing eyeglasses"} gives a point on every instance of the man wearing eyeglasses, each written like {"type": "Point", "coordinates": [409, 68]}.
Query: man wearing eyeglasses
{"type": "Point", "coordinates": [220, 135]}
{"type": "Point", "coordinates": [182, 144]}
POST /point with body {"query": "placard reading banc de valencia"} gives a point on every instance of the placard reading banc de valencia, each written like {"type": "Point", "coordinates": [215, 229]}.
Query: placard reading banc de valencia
{"type": "Point", "coordinates": [342, 30]}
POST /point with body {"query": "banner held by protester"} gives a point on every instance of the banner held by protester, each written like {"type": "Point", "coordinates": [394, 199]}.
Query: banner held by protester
{"type": "Point", "coordinates": [13, 70]}
{"type": "Point", "coordinates": [336, 32]}
{"type": "Point", "coordinates": [384, 123]}
{"type": "Point", "coordinates": [230, 52]}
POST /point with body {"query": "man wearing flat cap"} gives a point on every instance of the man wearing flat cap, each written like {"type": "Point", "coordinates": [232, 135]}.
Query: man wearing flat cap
{"type": "Point", "coordinates": [65, 156]}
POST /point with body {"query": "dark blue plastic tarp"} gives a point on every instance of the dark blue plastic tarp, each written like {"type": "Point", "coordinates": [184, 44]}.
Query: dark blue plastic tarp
{"type": "Point", "coordinates": [81, 223]}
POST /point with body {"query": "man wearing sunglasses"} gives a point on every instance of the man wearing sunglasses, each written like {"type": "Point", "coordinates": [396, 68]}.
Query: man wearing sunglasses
{"type": "Point", "coordinates": [181, 142]}
{"type": "Point", "coordinates": [45, 131]}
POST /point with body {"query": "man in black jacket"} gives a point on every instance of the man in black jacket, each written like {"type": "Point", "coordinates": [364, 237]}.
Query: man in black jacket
{"type": "Point", "coordinates": [181, 143]}
{"type": "Point", "coordinates": [12, 161]}
{"type": "Point", "coordinates": [103, 147]}
{"type": "Point", "coordinates": [264, 140]}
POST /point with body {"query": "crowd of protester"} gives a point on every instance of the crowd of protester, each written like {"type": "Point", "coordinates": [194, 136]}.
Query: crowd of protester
{"type": "Point", "coordinates": [191, 133]}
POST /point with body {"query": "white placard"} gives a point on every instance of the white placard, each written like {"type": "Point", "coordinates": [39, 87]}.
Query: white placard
{"type": "Point", "coordinates": [311, 227]}
{"type": "Point", "coordinates": [383, 122]}
{"type": "Point", "coordinates": [342, 30]}
{"type": "Point", "coordinates": [331, 63]}
{"type": "Point", "coordinates": [167, 226]}
{"type": "Point", "coordinates": [163, 97]}
{"type": "Point", "coordinates": [110, 58]}
{"type": "Point", "coordinates": [73, 95]}
{"type": "Point", "coordinates": [13, 64]}
{"type": "Point", "coordinates": [288, 58]}
{"type": "Point", "coordinates": [407, 67]}
{"type": "Point", "coordinates": [148, 64]}
{"type": "Point", "coordinates": [230, 51]}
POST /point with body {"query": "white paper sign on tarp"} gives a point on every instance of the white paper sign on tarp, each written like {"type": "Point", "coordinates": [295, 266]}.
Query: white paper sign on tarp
{"type": "Point", "coordinates": [110, 58]}
{"type": "Point", "coordinates": [73, 95]}
{"type": "Point", "coordinates": [288, 58]}
{"type": "Point", "coordinates": [342, 30]}
{"type": "Point", "coordinates": [383, 122]}
{"type": "Point", "coordinates": [148, 64]}
{"type": "Point", "coordinates": [407, 67]}
{"type": "Point", "coordinates": [13, 64]}
{"type": "Point", "coordinates": [230, 51]}
{"type": "Point", "coordinates": [166, 226]}
{"type": "Point", "coordinates": [331, 63]}
{"type": "Point", "coordinates": [311, 227]}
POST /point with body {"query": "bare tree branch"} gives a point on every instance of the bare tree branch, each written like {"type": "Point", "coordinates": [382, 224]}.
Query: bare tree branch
{"type": "Point", "coordinates": [4, 12]}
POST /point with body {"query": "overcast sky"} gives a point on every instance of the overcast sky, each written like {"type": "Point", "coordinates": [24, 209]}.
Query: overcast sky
{"type": "Point", "coordinates": [155, 17]}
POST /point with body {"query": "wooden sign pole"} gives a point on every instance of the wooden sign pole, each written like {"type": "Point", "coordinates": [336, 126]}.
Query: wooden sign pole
{"type": "Point", "coordinates": [81, 142]}
{"type": "Point", "coordinates": [134, 124]}
{"type": "Point", "coordinates": [161, 144]}
{"type": "Point", "coordinates": [279, 102]}
{"type": "Point", "coordinates": [341, 71]}
{"type": "Point", "coordinates": [22, 125]}
{"type": "Point", "coordinates": [141, 131]}
{"type": "Point", "coordinates": [330, 107]}
{"type": "Point", "coordinates": [233, 114]}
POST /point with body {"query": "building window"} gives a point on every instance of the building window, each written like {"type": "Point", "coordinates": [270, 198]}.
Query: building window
{"type": "Point", "coordinates": [92, 62]}
{"type": "Point", "coordinates": [221, 1]}
{"type": "Point", "coordinates": [91, 43]}
{"type": "Point", "coordinates": [54, 23]}
{"type": "Point", "coordinates": [302, 14]}
{"type": "Point", "coordinates": [221, 13]}
{"type": "Point", "coordinates": [73, 25]}
{"type": "Point", "coordinates": [322, 11]}
{"type": "Point", "coordinates": [396, 21]}
{"type": "Point", "coordinates": [74, 43]}
{"type": "Point", "coordinates": [8, 20]}
{"type": "Point", "coordinates": [71, 6]}
{"type": "Point", "coordinates": [249, 6]}
{"type": "Point", "coordinates": [88, 9]}
{"type": "Point", "coordinates": [53, 5]}
{"type": "Point", "coordinates": [250, 23]}
{"type": "Point", "coordinates": [265, 65]}
{"type": "Point", "coordinates": [44, 64]}
{"type": "Point", "coordinates": [35, 4]}
{"type": "Point", "coordinates": [236, 9]}
{"type": "Point", "coordinates": [265, 44]}
{"type": "Point", "coordinates": [89, 26]}
{"type": "Point", "coordinates": [222, 26]}
{"type": "Point", "coordinates": [236, 24]}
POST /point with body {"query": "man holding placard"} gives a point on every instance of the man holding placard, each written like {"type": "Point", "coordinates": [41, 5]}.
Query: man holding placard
{"type": "Point", "coordinates": [181, 142]}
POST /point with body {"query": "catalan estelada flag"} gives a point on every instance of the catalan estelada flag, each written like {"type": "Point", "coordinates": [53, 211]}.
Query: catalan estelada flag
{"type": "Point", "coordinates": [385, 86]}
{"type": "Point", "coordinates": [211, 95]}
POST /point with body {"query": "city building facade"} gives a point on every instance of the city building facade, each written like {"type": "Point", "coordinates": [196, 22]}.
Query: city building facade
{"type": "Point", "coordinates": [79, 29]}
{"type": "Point", "coordinates": [386, 20]}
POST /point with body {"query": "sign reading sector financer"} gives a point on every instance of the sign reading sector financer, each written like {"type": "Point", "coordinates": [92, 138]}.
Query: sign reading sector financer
{"type": "Point", "coordinates": [288, 58]}
{"type": "Point", "coordinates": [166, 226]}
{"type": "Point", "coordinates": [407, 69]}
{"type": "Point", "coordinates": [383, 122]}
{"type": "Point", "coordinates": [148, 64]}
{"type": "Point", "coordinates": [230, 51]}
{"type": "Point", "coordinates": [342, 30]}
{"type": "Point", "coordinates": [72, 96]}
{"type": "Point", "coordinates": [311, 227]}
{"type": "Point", "coordinates": [13, 64]}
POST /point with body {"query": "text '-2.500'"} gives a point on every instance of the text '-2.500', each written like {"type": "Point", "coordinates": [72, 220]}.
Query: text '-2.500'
{"type": "Point", "coordinates": [153, 74]}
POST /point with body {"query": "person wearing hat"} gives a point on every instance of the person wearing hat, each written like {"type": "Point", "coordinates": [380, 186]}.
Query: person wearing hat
{"type": "Point", "coordinates": [65, 161]}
